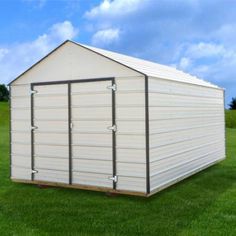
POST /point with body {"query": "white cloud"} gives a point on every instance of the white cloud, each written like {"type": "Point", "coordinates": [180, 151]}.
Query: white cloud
{"type": "Point", "coordinates": [3, 52]}
{"type": "Point", "coordinates": [37, 3]}
{"type": "Point", "coordinates": [105, 37]}
{"type": "Point", "coordinates": [215, 62]}
{"type": "Point", "coordinates": [202, 49]}
{"type": "Point", "coordinates": [16, 58]}
{"type": "Point", "coordinates": [64, 30]}
{"type": "Point", "coordinates": [114, 8]}
{"type": "Point", "coordinates": [184, 63]}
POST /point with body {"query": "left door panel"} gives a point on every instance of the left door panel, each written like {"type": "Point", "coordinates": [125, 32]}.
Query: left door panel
{"type": "Point", "coordinates": [50, 153]}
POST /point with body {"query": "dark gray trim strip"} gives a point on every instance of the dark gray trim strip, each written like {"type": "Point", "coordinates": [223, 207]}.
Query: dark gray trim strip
{"type": "Point", "coordinates": [113, 133]}
{"type": "Point", "coordinates": [32, 131]}
{"type": "Point", "coordinates": [10, 139]}
{"type": "Point", "coordinates": [69, 134]}
{"type": "Point", "coordinates": [147, 135]}
{"type": "Point", "coordinates": [73, 81]}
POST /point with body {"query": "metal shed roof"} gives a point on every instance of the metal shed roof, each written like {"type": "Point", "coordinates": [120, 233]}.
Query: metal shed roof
{"type": "Point", "coordinates": [152, 69]}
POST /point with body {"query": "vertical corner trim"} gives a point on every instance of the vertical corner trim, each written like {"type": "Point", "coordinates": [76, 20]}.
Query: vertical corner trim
{"type": "Point", "coordinates": [10, 148]}
{"type": "Point", "coordinates": [147, 134]}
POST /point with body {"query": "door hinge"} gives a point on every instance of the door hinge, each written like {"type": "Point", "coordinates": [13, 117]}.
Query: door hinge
{"type": "Point", "coordinates": [71, 125]}
{"type": "Point", "coordinates": [113, 87]}
{"type": "Point", "coordinates": [33, 91]}
{"type": "Point", "coordinates": [113, 128]}
{"type": "Point", "coordinates": [34, 171]}
{"type": "Point", "coordinates": [113, 178]}
{"type": "Point", "coordinates": [34, 127]}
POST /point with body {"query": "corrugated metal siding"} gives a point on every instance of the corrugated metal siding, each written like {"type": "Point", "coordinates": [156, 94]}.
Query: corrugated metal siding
{"type": "Point", "coordinates": [130, 119]}
{"type": "Point", "coordinates": [186, 129]}
{"type": "Point", "coordinates": [51, 151]}
{"type": "Point", "coordinates": [20, 132]}
{"type": "Point", "coordinates": [91, 114]}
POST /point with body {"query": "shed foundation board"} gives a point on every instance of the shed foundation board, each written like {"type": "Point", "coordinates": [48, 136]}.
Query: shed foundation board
{"type": "Point", "coordinates": [83, 187]}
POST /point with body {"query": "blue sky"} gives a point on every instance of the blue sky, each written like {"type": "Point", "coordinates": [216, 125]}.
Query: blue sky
{"type": "Point", "coordinates": [195, 36]}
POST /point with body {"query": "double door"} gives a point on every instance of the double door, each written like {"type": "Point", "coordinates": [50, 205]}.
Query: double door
{"type": "Point", "coordinates": [73, 132]}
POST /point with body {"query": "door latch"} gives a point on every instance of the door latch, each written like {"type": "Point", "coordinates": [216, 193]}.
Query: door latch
{"type": "Point", "coordinates": [113, 128]}
{"type": "Point", "coordinates": [113, 178]}
{"type": "Point", "coordinates": [34, 127]}
{"type": "Point", "coordinates": [71, 125]}
{"type": "Point", "coordinates": [34, 171]}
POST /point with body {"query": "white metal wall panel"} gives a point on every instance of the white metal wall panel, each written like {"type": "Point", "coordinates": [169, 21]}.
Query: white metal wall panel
{"type": "Point", "coordinates": [179, 171]}
{"type": "Point", "coordinates": [20, 132]}
{"type": "Point", "coordinates": [186, 130]}
{"type": "Point", "coordinates": [57, 176]}
{"type": "Point", "coordinates": [20, 161]}
{"type": "Point", "coordinates": [130, 183]}
{"type": "Point", "coordinates": [20, 114]}
{"type": "Point", "coordinates": [91, 114]}
{"type": "Point", "coordinates": [96, 179]}
{"type": "Point", "coordinates": [22, 173]}
{"type": "Point", "coordinates": [51, 149]}
{"type": "Point", "coordinates": [131, 141]}
{"type": "Point", "coordinates": [82, 152]}
{"type": "Point", "coordinates": [185, 89]}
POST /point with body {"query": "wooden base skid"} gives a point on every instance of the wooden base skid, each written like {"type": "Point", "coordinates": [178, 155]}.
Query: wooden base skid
{"type": "Point", "coordinates": [78, 186]}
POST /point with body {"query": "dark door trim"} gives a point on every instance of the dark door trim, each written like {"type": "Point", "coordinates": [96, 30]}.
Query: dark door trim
{"type": "Point", "coordinates": [69, 82]}
{"type": "Point", "coordinates": [113, 132]}
{"type": "Point", "coordinates": [32, 131]}
{"type": "Point", "coordinates": [70, 134]}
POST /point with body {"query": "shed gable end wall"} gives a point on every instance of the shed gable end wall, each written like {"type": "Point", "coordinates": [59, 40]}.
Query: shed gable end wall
{"type": "Point", "coordinates": [72, 62]}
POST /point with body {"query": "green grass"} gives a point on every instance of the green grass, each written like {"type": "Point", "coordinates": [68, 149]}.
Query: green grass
{"type": "Point", "coordinates": [230, 118]}
{"type": "Point", "coordinates": [204, 204]}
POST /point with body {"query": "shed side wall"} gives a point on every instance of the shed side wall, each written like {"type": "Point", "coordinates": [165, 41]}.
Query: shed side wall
{"type": "Point", "coordinates": [186, 129]}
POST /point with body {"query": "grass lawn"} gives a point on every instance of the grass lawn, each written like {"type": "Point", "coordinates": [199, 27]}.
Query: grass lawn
{"type": "Point", "coordinates": [204, 204]}
{"type": "Point", "coordinates": [230, 118]}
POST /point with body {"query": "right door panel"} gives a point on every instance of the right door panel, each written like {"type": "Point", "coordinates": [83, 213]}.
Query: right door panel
{"type": "Point", "coordinates": [92, 149]}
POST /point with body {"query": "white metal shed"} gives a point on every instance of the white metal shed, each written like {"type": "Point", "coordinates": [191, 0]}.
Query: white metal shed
{"type": "Point", "coordinates": [87, 118]}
